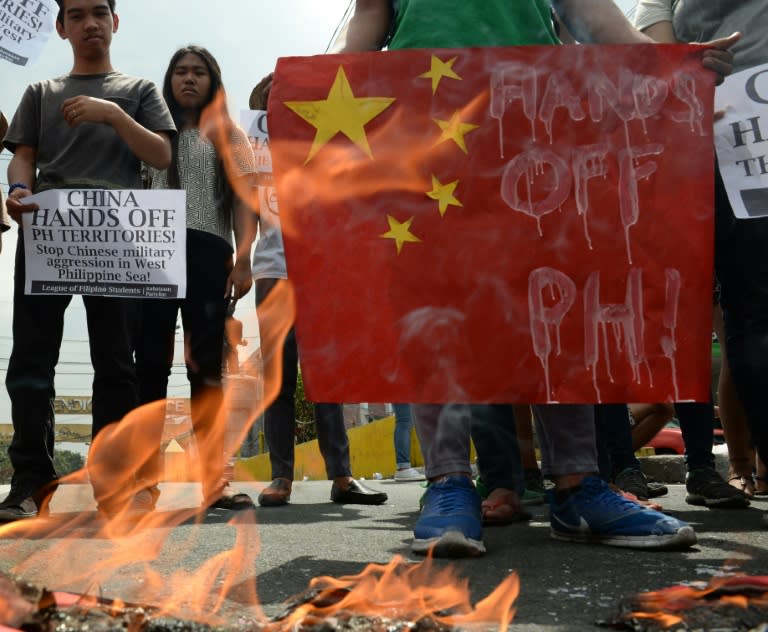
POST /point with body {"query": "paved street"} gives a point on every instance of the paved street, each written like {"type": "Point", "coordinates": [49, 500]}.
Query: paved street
{"type": "Point", "coordinates": [563, 586]}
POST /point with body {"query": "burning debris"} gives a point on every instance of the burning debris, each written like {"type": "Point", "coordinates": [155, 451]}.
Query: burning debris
{"type": "Point", "coordinates": [732, 603]}
{"type": "Point", "coordinates": [395, 597]}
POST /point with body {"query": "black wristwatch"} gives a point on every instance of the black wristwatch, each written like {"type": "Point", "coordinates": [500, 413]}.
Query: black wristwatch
{"type": "Point", "coordinates": [17, 185]}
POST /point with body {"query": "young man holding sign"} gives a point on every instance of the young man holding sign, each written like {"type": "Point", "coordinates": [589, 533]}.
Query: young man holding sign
{"type": "Point", "coordinates": [89, 129]}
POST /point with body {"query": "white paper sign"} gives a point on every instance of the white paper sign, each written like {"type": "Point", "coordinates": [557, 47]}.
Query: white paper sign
{"type": "Point", "coordinates": [741, 140]}
{"type": "Point", "coordinates": [25, 26]}
{"type": "Point", "coordinates": [254, 122]}
{"type": "Point", "coordinates": [107, 243]}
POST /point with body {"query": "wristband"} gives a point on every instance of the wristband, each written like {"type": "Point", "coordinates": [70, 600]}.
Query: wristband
{"type": "Point", "coordinates": [17, 185]}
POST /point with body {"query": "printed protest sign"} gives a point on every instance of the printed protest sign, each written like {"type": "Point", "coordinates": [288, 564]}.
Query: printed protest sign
{"type": "Point", "coordinates": [740, 138]}
{"type": "Point", "coordinates": [25, 26]}
{"type": "Point", "coordinates": [254, 122]}
{"type": "Point", "coordinates": [107, 243]}
{"type": "Point", "coordinates": [527, 224]}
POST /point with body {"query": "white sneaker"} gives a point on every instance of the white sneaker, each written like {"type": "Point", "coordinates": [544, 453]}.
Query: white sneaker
{"type": "Point", "coordinates": [408, 475]}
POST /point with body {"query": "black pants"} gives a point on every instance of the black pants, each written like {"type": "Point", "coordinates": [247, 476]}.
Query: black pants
{"type": "Point", "coordinates": [614, 440]}
{"type": "Point", "coordinates": [280, 416]}
{"type": "Point", "coordinates": [38, 323]}
{"type": "Point", "coordinates": [741, 264]}
{"type": "Point", "coordinates": [498, 452]}
{"type": "Point", "coordinates": [203, 312]}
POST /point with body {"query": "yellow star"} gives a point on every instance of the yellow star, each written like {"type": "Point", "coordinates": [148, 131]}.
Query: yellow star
{"type": "Point", "coordinates": [443, 193]}
{"type": "Point", "coordinates": [440, 69]}
{"type": "Point", "coordinates": [342, 112]}
{"type": "Point", "coordinates": [455, 130]}
{"type": "Point", "coordinates": [400, 232]}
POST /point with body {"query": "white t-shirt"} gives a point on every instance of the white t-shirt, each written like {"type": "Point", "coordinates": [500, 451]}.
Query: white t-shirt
{"type": "Point", "coordinates": [268, 260]}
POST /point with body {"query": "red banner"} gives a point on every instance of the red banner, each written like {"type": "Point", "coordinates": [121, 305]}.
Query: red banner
{"type": "Point", "coordinates": [524, 224]}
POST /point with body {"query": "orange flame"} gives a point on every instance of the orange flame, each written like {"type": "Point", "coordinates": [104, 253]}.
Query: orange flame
{"type": "Point", "coordinates": [135, 554]}
{"type": "Point", "coordinates": [667, 607]}
{"type": "Point", "coordinates": [120, 548]}
{"type": "Point", "coordinates": [664, 620]}
{"type": "Point", "coordinates": [407, 592]}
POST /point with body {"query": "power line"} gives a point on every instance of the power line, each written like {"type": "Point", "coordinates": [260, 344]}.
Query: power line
{"type": "Point", "coordinates": [339, 26]}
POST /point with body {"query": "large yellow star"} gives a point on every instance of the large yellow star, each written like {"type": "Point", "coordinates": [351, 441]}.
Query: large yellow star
{"type": "Point", "coordinates": [400, 232]}
{"type": "Point", "coordinates": [342, 112]}
{"type": "Point", "coordinates": [443, 193]}
{"type": "Point", "coordinates": [440, 69]}
{"type": "Point", "coordinates": [455, 130]}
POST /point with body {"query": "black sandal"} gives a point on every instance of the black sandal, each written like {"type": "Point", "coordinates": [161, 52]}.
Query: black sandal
{"type": "Point", "coordinates": [764, 480]}
{"type": "Point", "coordinates": [232, 500]}
{"type": "Point", "coordinates": [745, 484]}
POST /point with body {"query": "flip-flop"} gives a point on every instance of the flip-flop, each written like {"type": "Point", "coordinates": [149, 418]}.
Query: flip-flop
{"type": "Point", "coordinates": [758, 481]}
{"type": "Point", "coordinates": [499, 512]}
{"type": "Point", "coordinates": [744, 484]}
{"type": "Point", "coordinates": [630, 496]}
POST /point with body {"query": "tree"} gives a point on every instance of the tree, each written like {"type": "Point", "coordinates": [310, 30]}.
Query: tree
{"type": "Point", "coordinates": [65, 462]}
{"type": "Point", "coordinates": [306, 430]}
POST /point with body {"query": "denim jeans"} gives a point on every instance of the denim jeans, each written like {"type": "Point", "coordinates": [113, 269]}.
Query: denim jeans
{"type": "Point", "coordinates": [566, 434]}
{"type": "Point", "coordinates": [280, 415]}
{"type": "Point", "coordinates": [38, 323]}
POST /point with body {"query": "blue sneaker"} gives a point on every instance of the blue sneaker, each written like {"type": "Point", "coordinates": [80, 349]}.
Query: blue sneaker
{"type": "Point", "coordinates": [597, 514]}
{"type": "Point", "coordinates": [450, 523]}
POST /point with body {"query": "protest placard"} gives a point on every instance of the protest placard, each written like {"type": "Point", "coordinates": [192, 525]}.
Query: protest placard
{"type": "Point", "coordinates": [25, 26]}
{"type": "Point", "coordinates": [106, 243]}
{"type": "Point", "coordinates": [523, 224]}
{"type": "Point", "coordinates": [740, 139]}
{"type": "Point", "coordinates": [254, 122]}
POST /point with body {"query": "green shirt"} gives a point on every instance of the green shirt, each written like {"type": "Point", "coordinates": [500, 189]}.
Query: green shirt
{"type": "Point", "coordinates": [468, 23]}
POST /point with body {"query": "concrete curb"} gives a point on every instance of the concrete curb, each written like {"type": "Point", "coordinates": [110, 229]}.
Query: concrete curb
{"type": "Point", "coordinates": [671, 468]}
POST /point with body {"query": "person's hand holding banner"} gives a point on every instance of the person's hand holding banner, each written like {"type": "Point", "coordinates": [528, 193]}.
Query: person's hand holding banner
{"type": "Point", "coordinates": [718, 57]}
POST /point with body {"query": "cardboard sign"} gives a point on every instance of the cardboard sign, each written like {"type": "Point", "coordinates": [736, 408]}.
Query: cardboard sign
{"type": "Point", "coordinates": [526, 224]}
{"type": "Point", "coordinates": [106, 243]}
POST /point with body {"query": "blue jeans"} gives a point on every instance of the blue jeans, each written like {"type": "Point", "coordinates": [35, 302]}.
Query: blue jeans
{"type": "Point", "coordinates": [566, 434]}
{"type": "Point", "coordinates": [402, 435]}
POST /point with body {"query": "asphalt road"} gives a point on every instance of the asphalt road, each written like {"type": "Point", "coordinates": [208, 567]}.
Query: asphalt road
{"type": "Point", "coordinates": [273, 553]}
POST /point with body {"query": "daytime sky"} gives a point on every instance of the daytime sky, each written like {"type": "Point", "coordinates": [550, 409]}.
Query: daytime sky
{"type": "Point", "coordinates": [247, 37]}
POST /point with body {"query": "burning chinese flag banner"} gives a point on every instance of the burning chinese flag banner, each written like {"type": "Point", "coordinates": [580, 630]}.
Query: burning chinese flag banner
{"type": "Point", "coordinates": [528, 224]}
